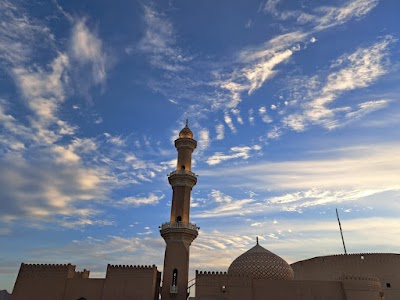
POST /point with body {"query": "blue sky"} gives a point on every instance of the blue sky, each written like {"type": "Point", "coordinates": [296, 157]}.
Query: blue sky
{"type": "Point", "coordinates": [294, 104]}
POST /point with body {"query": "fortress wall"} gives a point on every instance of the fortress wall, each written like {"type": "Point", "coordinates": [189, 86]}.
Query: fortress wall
{"type": "Point", "coordinates": [42, 281]}
{"type": "Point", "coordinates": [362, 287]}
{"type": "Point", "coordinates": [131, 282]}
{"type": "Point", "coordinates": [83, 287]}
{"type": "Point", "coordinates": [215, 285]}
{"type": "Point", "coordinates": [220, 285]}
{"type": "Point", "coordinates": [383, 266]}
{"type": "Point", "coordinates": [299, 290]}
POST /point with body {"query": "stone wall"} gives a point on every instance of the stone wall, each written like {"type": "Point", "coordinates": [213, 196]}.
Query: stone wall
{"type": "Point", "coordinates": [42, 281]}
{"type": "Point", "coordinates": [62, 282]}
{"type": "Point", "coordinates": [384, 266]}
{"type": "Point", "coordinates": [131, 282]}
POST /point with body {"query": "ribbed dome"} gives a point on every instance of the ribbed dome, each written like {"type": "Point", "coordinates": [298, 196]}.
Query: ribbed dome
{"type": "Point", "coordinates": [259, 263]}
{"type": "Point", "coordinates": [186, 132]}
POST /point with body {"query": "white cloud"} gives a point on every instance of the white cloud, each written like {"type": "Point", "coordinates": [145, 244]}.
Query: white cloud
{"type": "Point", "coordinates": [87, 48]}
{"type": "Point", "coordinates": [65, 155]}
{"type": "Point", "coordinates": [159, 42]}
{"type": "Point", "coordinates": [236, 112]}
{"type": "Point", "coordinates": [363, 167]}
{"type": "Point", "coordinates": [44, 90]}
{"type": "Point", "coordinates": [260, 72]}
{"type": "Point", "coordinates": [295, 121]}
{"type": "Point", "coordinates": [151, 199]}
{"type": "Point", "coordinates": [274, 133]}
{"type": "Point", "coordinates": [243, 152]}
{"type": "Point", "coordinates": [220, 129]}
{"type": "Point", "coordinates": [324, 17]}
{"type": "Point", "coordinates": [204, 139]}
{"type": "Point", "coordinates": [333, 16]}
{"type": "Point", "coordinates": [228, 121]}
{"type": "Point", "coordinates": [226, 206]}
{"type": "Point", "coordinates": [251, 116]}
{"type": "Point", "coordinates": [362, 68]}
{"type": "Point", "coordinates": [116, 140]}
{"type": "Point", "coordinates": [357, 70]}
{"type": "Point", "coordinates": [315, 197]}
{"type": "Point", "coordinates": [263, 114]}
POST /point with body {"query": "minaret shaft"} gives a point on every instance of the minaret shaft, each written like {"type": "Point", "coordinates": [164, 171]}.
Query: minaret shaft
{"type": "Point", "coordinates": [180, 209]}
{"type": "Point", "coordinates": [179, 233]}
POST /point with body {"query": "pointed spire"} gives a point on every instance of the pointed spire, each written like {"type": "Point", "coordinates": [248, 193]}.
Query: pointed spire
{"type": "Point", "coordinates": [187, 122]}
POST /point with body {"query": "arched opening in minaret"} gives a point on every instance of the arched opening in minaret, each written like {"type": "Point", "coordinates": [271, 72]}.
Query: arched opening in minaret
{"type": "Point", "coordinates": [183, 168]}
{"type": "Point", "coordinates": [175, 277]}
{"type": "Point", "coordinates": [179, 219]}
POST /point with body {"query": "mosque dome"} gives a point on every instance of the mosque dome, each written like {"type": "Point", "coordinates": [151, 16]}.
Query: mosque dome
{"type": "Point", "coordinates": [259, 263]}
{"type": "Point", "coordinates": [186, 132]}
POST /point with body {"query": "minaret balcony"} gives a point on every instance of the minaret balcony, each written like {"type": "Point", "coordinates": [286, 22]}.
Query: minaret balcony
{"type": "Point", "coordinates": [179, 231]}
{"type": "Point", "coordinates": [182, 178]}
{"type": "Point", "coordinates": [187, 225]}
{"type": "Point", "coordinates": [182, 172]}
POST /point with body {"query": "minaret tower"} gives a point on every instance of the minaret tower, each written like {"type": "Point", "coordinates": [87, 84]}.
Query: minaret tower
{"type": "Point", "coordinates": [179, 233]}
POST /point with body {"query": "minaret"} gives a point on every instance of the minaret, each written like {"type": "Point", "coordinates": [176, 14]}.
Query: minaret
{"type": "Point", "coordinates": [179, 233]}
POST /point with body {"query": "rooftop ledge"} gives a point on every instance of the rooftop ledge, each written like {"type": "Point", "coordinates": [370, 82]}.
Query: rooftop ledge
{"type": "Point", "coordinates": [186, 225]}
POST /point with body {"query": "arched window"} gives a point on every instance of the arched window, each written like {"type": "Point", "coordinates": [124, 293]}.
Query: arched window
{"type": "Point", "coordinates": [174, 277]}
{"type": "Point", "coordinates": [182, 167]}
{"type": "Point", "coordinates": [179, 219]}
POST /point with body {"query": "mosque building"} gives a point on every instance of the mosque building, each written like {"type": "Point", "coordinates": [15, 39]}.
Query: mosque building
{"type": "Point", "coordinates": [257, 274]}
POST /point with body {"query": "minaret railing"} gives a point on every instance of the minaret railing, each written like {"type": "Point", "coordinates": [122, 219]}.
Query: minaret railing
{"type": "Point", "coordinates": [187, 225]}
{"type": "Point", "coordinates": [182, 172]}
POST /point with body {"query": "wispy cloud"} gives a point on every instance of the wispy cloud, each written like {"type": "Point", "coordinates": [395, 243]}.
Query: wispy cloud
{"type": "Point", "coordinates": [220, 129]}
{"type": "Point", "coordinates": [87, 48]}
{"type": "Point", "coordinates": [323, 17]}
{"type": "Point", "coordinates": [243, 152]}
{"type": "Point", "coordinates": [229, 122]}
{"type": "Point", "coordinates": [368, 166]}
{"type": "Point", "coordinates": [159, 41]}
{"type": "Point", "coordinates": [226, 206]}
{"type": "Point", "coordinates": [357, 70]}
{"type": "Point", "coordinates": [151, 199]}
{"type": "Point", "coordinates": [204, 139]}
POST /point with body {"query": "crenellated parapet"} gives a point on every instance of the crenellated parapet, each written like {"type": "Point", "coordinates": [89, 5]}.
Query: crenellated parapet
{"type": "Point", "coordinates": [117, 271]}
{"type": "Point", "coordinates": [210, 273]}
{"type": "Point", "coordinates": [46, 271]}
{"type": "Point", "coordinates": [360, 283]}
{"type": "Point", "coordinates": [82, 274]}
{"type": "Point", "coordinates": [221, 279]}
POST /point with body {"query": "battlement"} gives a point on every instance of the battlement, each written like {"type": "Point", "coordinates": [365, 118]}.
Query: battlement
{"type": "Point", "coordinates": [123, 267]}
{"type": "Point", "coordinates": [82, 274]}
{"type": "Point", "coordinates": [358, 278]}
{"type": "Point", "coordinates": [36, 266]}
{"type": "Point", "coordinates": [210, 273]}
{"type": "Point", "coordinates": [46, 271]}
{"type": "Point", "coordinates": [130, 271]}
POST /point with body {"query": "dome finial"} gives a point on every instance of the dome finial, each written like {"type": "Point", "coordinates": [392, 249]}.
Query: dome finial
{"type": "Point", "coordinates": [186, 132]}
{"type": "Point", "coordinates": [257, 240]}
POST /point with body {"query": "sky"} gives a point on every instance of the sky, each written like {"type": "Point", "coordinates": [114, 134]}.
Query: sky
{"type": "Point", "coordinates": [294, 104]}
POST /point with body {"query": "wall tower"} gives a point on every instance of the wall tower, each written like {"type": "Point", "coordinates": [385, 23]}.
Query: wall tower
{"type": "Point", "coordinates": [179, 233]}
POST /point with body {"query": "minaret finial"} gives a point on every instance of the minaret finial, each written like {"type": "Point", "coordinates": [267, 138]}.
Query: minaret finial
{"type": "Point", "coordinates": [257, 240]}
{"type": "Point", "coordinates": [187, 122]}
